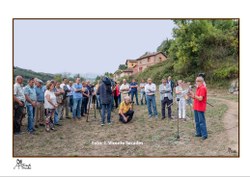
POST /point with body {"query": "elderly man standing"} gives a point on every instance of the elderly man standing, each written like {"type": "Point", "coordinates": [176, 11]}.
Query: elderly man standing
{"type": "Point", "coordinates": [150, 90]}
{"type": "Point", "coordinates": [200, 103]}
{"type": "Point", "coordinates": [124, 89]}
{"type": "Point", "coordinates": [77, 99]}
{"type": "Point", "coordinates": [39, 113]}
{"type": "Point", "coordinates": [19, 100]}
{"type": "Point", "coordinates": [66, 96]}
{"type": "Point", "coordinates": [166, 98]}
{"type": "Point", "coordinates": [31, 101]}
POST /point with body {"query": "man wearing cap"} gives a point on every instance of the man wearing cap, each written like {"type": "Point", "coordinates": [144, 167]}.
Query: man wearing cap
{"type": "Point", "coordinates": [105, 93]}
{"type": "Point", "coordinates": [126, 110]}
{"type": "Point", "coordinates": [31, 101]}
{"type": "Point", "coordinates": [39, 113]}
{"type": "Point", "coordinates": [19, 100]}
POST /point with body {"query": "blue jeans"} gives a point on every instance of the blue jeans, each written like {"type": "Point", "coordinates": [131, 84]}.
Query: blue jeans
{"type": "Point", "coordinates": [106, 108]}
{"type": "Point", "coordinates": [77, 104]}
{"type": "Point", "coordinates": [98, 102]}
{"type": "Point", "coordinates": [143, 94]}
{"type": "Point", "coordinates": [200, 121]}
{"type": "Point", "coordinates": [71, 102]}
{"type": "Point", "coordinates": [119, 99]}
{"type": "Point", "coordinates": [31, 113]}
{"type": "Point", "coordinates": [56, 117]}
{"type": "Point", "coordinates": [151, 101]}
{"type": "Point", "coordinates": [136, 96]}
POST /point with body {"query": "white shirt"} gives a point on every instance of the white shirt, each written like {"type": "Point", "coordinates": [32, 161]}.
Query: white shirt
{"type": "Point", "coordinates": [150, 89]}
{"type": "Point", "coordinates": [19, 92]}
{"type": "Point", "coordinates": [124, 86]}
{"type": "Point", "coordinates": [52, 95]}
{"type": "Point", "coordinates": [142, 85]}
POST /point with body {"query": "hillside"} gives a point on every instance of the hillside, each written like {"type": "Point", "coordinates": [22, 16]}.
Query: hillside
{"type": "Point", "coordinates": [27, 74]}
{"type": "Point", "coordinates": [199, 46]}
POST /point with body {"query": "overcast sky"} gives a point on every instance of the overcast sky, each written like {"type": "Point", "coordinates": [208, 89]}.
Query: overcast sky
{"type": "Point", "coordinates": [85, 46]}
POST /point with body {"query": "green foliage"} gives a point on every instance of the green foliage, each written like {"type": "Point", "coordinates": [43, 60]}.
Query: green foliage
{"type": "Point", "coordinates": [122, 67]}
{"type": "Point", "coordinates": [209, 46]}
{"type": "Point", "coordinates": [27, 74]}
{"type": "Point", "coordinates": [165, 45]}
{"type": "Point", "coordinates": [58, 77]}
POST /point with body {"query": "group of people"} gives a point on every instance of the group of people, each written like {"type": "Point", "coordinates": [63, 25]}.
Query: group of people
{"type": "Point", "coordinates": [46, 104]}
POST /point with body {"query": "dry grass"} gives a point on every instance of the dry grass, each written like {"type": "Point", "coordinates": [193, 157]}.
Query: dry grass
{"type": "Point", "coordinates": [158, 137]}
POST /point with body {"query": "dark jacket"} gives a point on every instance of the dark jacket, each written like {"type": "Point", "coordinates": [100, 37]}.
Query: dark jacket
{"type": "Point", "coordinates": [105, 93]}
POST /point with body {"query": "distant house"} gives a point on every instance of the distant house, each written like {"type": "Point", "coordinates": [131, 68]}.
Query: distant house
{"type": "Point", "coordinates": [150, 59]}
{"type": "Point", "coordinates": [140, 64]}
{"type": "Point", "coordinates": [127, 72]}
{"type": "Point", "coordinates": [131, 63]}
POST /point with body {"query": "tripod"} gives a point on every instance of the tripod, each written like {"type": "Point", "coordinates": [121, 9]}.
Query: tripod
{"type": "Point", "coordinates": [178, 129]}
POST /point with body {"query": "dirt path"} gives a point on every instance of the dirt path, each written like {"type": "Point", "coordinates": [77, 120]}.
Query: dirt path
{"type": "Point", "coordinates": [230, 120]}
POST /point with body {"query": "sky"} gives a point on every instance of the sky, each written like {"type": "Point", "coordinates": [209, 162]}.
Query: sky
{"type": "Point", "coordinates": [85, 46]}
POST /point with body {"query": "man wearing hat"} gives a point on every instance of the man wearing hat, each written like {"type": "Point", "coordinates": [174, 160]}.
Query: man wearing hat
{"type": "Point", "coordinates": [39, 113]}
{"type": "Point", "coordinates": [105, 93]}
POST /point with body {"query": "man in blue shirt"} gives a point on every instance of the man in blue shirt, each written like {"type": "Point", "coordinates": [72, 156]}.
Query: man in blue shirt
{"type": "Point", "coordinates": [39, 113]}
{"type": "Point", "coordinates": [133, 87]}
{"type": "Point", "coordinates": [77, 99]}
{"type": "Point", "coordinates": [31, 101]}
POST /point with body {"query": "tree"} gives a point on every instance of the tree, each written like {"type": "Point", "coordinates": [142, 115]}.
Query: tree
{"type": "Point", "coordinates": [165, 45]}
{"type": "Point", "coordinates": [58, 77]}
{"type": "Point", "coordinates": [122, 67]}
{"type": "Point", "coordinates": [204, 45]}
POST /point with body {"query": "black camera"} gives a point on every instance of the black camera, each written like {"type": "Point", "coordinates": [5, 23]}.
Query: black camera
{"type": "Point", "coordinates": [132, 102]}
{"type": "Point", "coordinates": [178, 99]}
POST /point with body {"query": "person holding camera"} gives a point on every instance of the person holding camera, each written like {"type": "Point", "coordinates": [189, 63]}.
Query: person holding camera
{"type": "Point", "coordinates": [166, 97]}
{"type": "Point", "coordinates": [200, 103]}
{"type": "Point", "coordinates": [85, 99]}
{"type": "Point", "coordinates": [126, 110]}
{"type": "Point", "coordinates": [105, 93]}
{"type": "Point", "coordinates": [19, 100]}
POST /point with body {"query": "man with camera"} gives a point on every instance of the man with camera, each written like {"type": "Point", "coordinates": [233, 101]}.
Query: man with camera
{"type": "Point", "coordinates": [105, 93]}
{"type": "Point", "coordinates": [126, 110]}
{"type": "Point", "coordinates": [166, 98]}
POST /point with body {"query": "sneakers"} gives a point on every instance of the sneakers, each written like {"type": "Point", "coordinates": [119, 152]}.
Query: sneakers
{"type": "Point", "coordinates": [109, 123]}
{"type": "Point", "coordinates": [102, 124]}
{"type": "Point", "coordinates": [149, 116]}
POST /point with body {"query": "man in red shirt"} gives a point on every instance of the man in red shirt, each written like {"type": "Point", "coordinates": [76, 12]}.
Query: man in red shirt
{"type": "Point", "coordinates": [200, 102]}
